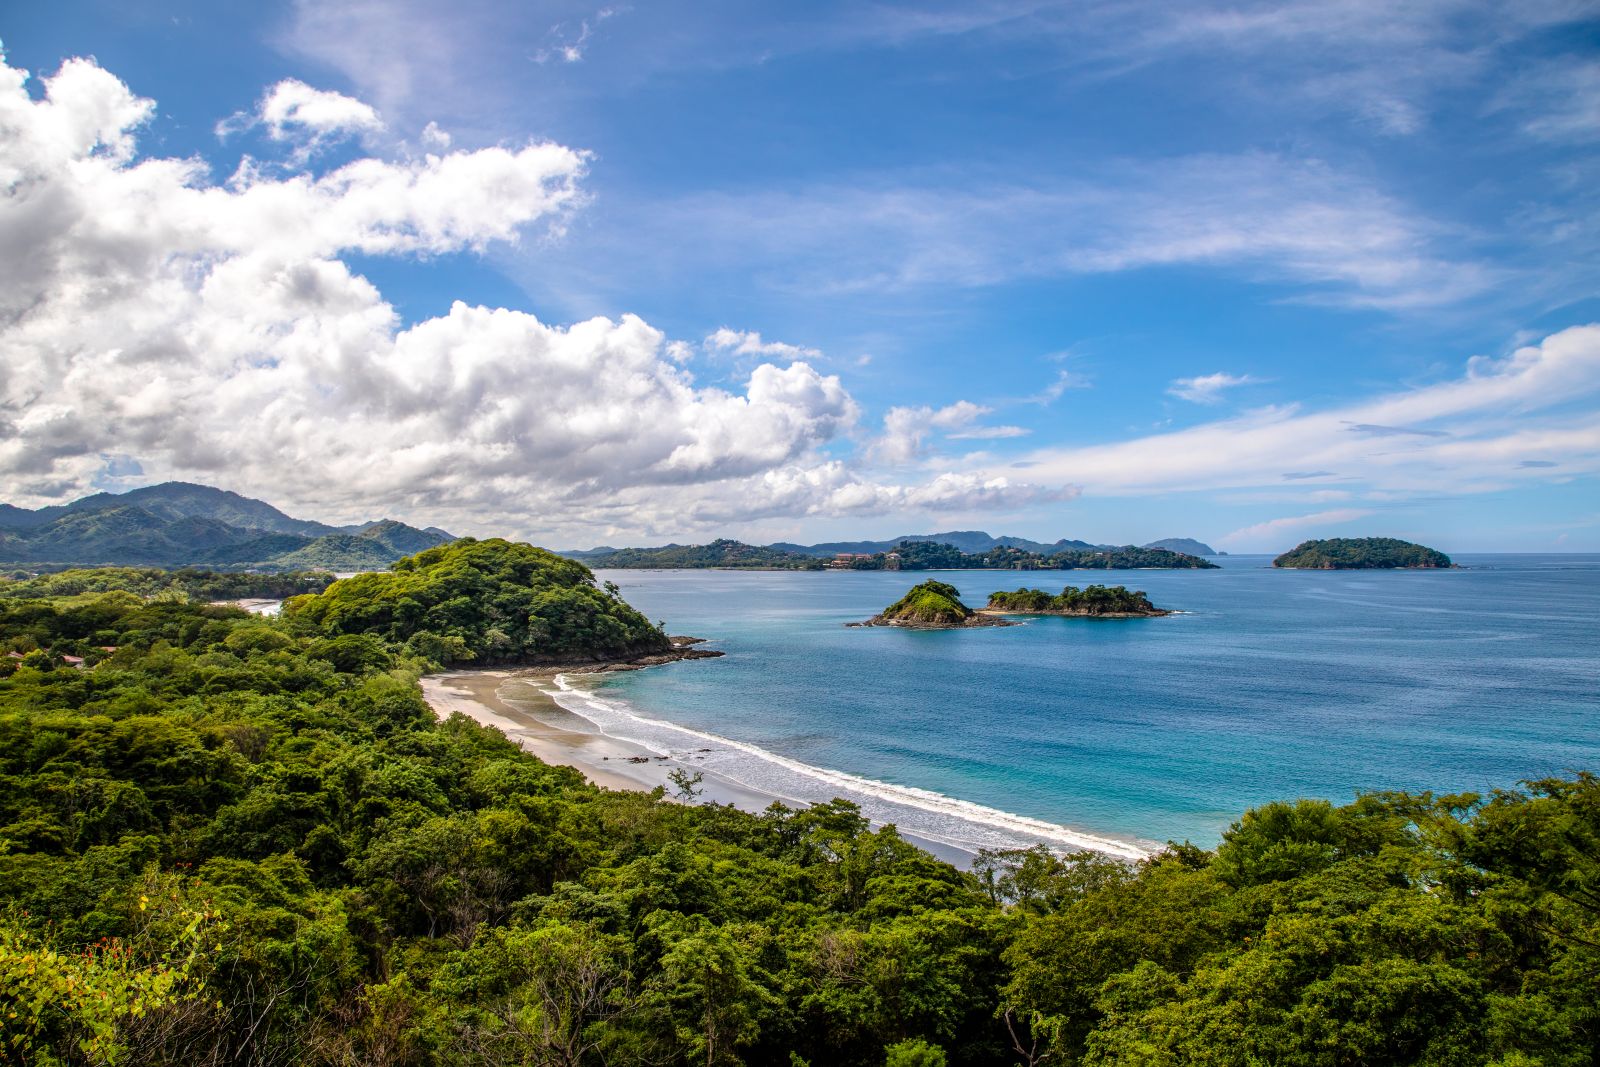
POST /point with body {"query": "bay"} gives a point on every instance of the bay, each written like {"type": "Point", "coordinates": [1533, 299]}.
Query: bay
{"type": "Point", "coordinates": [1269, 685]}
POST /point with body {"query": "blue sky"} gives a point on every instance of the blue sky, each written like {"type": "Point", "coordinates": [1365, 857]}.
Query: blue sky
{"type": "Point", "coordinates": [1246, 272]}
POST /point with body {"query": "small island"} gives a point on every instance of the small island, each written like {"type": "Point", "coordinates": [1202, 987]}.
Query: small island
{"type": "Point", "coordinates": [932, 606]}
{"type": "Point", "coordinates": [1095, 602]}
{"type": "Point", "coordinates": [1362, 553]}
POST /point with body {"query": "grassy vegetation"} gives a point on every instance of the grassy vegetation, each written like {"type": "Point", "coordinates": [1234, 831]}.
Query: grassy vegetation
{"type": "Point", "coordinates": [931, 604]}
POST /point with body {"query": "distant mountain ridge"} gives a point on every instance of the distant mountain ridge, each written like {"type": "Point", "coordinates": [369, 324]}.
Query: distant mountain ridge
{"type": "Point", "coordinates": [182, 524]}
{"type": "Point", "coordinates": [971, 541]}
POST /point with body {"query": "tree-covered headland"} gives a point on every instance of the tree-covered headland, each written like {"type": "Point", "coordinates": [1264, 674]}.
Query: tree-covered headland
{"type": "Point", "coordinates": [1095, 601]}
{"type": "Point", "coordinates": [238, 840]}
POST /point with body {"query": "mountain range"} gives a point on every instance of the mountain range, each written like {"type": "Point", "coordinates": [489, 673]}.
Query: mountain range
{"type": "Point", "coordinates": [181, 524]}
{"type": "Point", "coordinates": [972, 541]}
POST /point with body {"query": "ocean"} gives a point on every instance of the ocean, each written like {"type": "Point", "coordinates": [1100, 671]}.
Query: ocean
{"type": "Point", "coordinates": [1121, 734]}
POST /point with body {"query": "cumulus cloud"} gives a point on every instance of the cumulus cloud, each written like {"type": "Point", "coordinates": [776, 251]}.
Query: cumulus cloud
{"type": "Point", "coordinates": [154, 321]}
{"type": "Point", "coordinates": [906, 430]}
{"type": "Point", "coordinates": [309, 119]}
{"type": "Point", "coordinates": [749, 343]}
{"type": "Point", "coordinates": [1464, 434]}
{"type": "Point", "coordinates": [1208, 388]}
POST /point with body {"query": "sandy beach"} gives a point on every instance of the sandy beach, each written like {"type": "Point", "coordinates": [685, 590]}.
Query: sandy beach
{"type": "Point", "coordinates": [522, 705]}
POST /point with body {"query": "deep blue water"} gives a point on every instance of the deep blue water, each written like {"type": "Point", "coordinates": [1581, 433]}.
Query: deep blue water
{"type": "Point", "coordinates": [1272, 684]}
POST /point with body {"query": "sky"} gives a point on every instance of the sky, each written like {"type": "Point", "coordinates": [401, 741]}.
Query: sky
{"type": "Point", "coordinates": [637, 273]}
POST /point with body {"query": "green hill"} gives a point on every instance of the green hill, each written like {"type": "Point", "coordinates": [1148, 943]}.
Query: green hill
{"type": "Point", "coordinates": [1361, 553]}
{"type": "Point", "coordinates": [721, 553]}
{"type": "Point", "coordinates": [931, 606]}
{"type": "Point", "coordinates": [485, 602]}
{"type": "Point", "coordinates": [178, 524]}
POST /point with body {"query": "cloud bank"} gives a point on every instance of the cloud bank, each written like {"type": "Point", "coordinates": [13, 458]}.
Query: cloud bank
{"type": "Point", "coordinates": [155, 321]}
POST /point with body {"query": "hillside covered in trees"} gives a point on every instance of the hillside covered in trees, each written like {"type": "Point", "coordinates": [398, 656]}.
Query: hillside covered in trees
{"type": "Point", "coordinates": [1361, 553]}
{"type": "Point", "coordinates": [153, 583]}
{"type": "Point", "coordinates": [930, 606]}
{"type": "Point", "coordinates": [239, 840]}
{"type": "Point", "coordinates": [178, 524]}
{"type": "Point", "coordinates": [721, 553]}
{"type": "Point", "coordinates": [486, 603]}
{"type": "Point", "coordinates": [928, 555]}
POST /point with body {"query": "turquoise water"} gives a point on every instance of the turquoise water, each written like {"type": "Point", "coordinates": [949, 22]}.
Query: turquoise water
{"type": "Point", "coordinates": [1271, 684]}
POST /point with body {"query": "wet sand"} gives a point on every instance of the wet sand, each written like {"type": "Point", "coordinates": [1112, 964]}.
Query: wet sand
{"type": "Point", "coordinates": [521, 704]}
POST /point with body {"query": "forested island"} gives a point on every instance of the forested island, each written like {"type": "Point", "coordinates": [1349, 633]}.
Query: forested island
{"type": "Point", "coordinates": [720, 554]}
{"type": "Point", "coordinates": [906, 556]}
{"type": "Point", "coordinates": [1095, 601]}
{"type": "Point", "coordinates": [238, 840]}
{"type": "Point", "coordinates": [1361, 553]}
{"type": "Point", "coordinates": [931, 606]}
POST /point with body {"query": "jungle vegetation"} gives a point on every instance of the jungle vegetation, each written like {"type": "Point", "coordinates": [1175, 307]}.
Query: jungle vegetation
{"type": "Point", "coordinates": [927, 555]}
{"type": "Point", "coordinates": [1361, 553]}
{"type": "Point", "coordinates": [240, 840]}
{"type": "Point", "coordinates": [1093, 600]}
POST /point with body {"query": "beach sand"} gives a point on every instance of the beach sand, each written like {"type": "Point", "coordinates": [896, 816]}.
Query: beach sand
{"type": "Point", "coordinates": [521, 704]}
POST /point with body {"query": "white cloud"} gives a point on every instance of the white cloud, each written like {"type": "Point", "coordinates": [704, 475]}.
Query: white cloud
{"type": "Point", "coordinates": [749, 343]}
{"type": "Point", "coordinates": [906, 430]}
{"type": "Point", "coordinates": [1208, 388]}
{"type": "Point", "coordinates": [1466, 434]}
{"type": "Point", "coordinates": [309, 119]}
{"type": "Point", "coordinates": [293, 110]}
{"type": "Point", "coordinates": [435, 139]}
{"type": "Point", "coordinates": [153, 321]}
{"type": "Point", "coordinates": [1272, 535]}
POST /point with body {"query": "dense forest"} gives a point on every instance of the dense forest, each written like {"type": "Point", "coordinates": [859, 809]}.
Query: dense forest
{"type": "Point", "coordinates": [720, 553]}
{"type": "Point", "coordinates": [152, 583]}
{"type": "Point", "coordinates": [486, 603]}
{"type": "Point", "coordinates": [927, 555]}
{"type": "Point", "coordinates": [1361, 553]}
{"type": "Point", "coordinates": [1093, 600]}
{"type": "Point", "coordinates": [178, 524]}
{"type": "Point", "coordinates": [905, 556]}
{"type": "Point", "coordinates": [240, 840]}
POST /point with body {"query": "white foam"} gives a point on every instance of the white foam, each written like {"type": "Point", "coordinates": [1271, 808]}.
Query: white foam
{"type": "Point", "coordinates": [954, 821]}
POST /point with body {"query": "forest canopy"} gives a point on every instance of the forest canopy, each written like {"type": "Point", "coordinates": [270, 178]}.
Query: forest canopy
{"type": "Point", "coordinates": [237, 840]}
{"type": "Point", "coordinates": [1092, 600]}
{"type": "Point", "coordinates": [1361, 553]}
{"type": "Point", "coordinates": [485, 602]}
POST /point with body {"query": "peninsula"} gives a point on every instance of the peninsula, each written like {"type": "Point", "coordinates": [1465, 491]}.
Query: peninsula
{"type": "Point", "coordinates": [1361, 553]}
{"type": "Point", "coordinates": [1095, 602]}
{"type": "Point", "coordinates": [932, 606]}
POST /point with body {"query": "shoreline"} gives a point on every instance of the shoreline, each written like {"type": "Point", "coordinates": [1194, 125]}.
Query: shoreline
{"type": "Point", "coordinates": [521, 703]}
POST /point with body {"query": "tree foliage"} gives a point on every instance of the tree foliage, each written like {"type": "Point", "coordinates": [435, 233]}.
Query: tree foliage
{"type": "Point", "coordinates": [248, 841]}
{"type": "Point", "coordinates": [1361, 553]}
{"type": "Point", "coordinates": [1093, 600]}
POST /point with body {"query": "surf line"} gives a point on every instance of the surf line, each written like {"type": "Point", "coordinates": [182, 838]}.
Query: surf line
{"type": "Point", "coordinates": [926, 801]}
